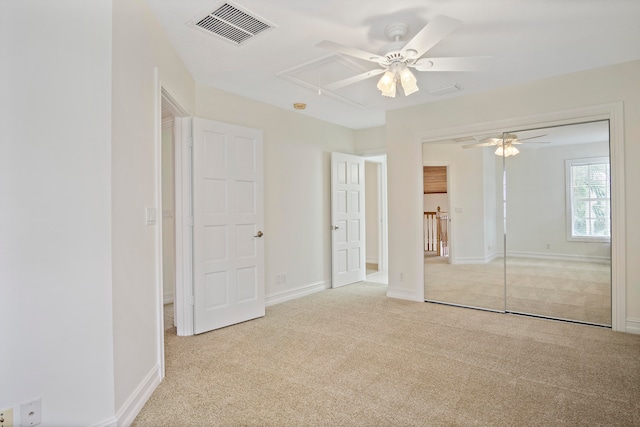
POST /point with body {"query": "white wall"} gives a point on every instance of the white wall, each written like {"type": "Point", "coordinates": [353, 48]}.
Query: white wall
{"type": "Point", "coordinates": [55, 221]}
{"type": "Point", "coordinates": [431, 202]}
{"type": "Point", "coordinates": [491, 181]}
{"type": "Point", "coordinates": [536, 203]}
{"type": "Point", "coordinates": [297, 182]}
{"type": "Point", "coordinates": [404, 126]}
{"type": "Point", "coordinates": [139, 45]}
{"type": "Point", "coordinates": [466, 193]}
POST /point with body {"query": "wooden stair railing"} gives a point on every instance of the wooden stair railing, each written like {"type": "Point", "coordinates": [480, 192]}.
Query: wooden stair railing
{"type": "Point", "coordinates": [436, 232]}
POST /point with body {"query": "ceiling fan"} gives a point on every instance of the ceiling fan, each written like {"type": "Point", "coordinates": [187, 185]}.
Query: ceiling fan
{"type": "Point", "coordinates": [397, 57]}
{"type": "Point", "coordinates": [506, 143]}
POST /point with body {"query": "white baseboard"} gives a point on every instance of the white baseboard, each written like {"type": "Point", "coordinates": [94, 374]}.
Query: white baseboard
{"type": "Point", "coordinates": [560, 257]}
{"type": "Point", "coordinates": [139, 397]}
{"type": "Point", "coordinates": [402, 294]}
{"type": "Point", "coordinates": [473, 260]}
{"type": "Point", "coordinates": [535, 255]}
{"type": "Point", "coordinates": [633, 326]}
{"type": "Point", "coordinates": [278, 297]}
{"type": "Point", "coordinates": [167, 298]}
{"type": "Point", "coordinates": [111, 422]}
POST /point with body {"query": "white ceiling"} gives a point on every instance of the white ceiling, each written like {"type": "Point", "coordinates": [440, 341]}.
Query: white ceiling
{"type": "Point", "coordinates": [528, 40]}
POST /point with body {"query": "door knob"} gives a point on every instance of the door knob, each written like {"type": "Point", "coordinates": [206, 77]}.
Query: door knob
{"type": "Point", "coordinates": [259, 234]}
{"type": "Point", "coordinates": [334, 227]}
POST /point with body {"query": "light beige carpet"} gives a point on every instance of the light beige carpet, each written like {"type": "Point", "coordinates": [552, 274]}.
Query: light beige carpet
{"type": "Point", "coordinates": [353, 357]}
{"type": "Point", "coordinates": [560, 289]}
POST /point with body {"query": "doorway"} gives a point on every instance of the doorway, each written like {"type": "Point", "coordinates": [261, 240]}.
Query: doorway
{"type": "Point", "coordinates": [436, 205]}
{"type": "Point", "coordinates": [376, 219]}
{"type": "Point", "coordinates": [168, 216]}
{"type": "Point", "coordinates": [168, 237]}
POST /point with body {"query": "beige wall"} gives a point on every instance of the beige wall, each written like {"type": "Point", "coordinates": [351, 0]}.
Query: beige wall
{"type": "Point", "coordinates": [297, 182]}
{"type": "Point", "coordinates": [594, 87]}
{"type": "Point", "coordinates": [370, 141]}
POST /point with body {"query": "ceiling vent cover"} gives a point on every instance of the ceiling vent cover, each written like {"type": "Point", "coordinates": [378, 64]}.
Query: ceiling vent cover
{"type": "Point", "coordinates": [231, 23]}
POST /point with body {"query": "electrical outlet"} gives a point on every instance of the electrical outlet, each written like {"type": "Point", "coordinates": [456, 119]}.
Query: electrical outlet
{"type": "Point", "coordinates": [402, 277]}
{"type": "Point", "coordinates": [6, 417]}
{"type": "Point", "coordinates": [31, 413]}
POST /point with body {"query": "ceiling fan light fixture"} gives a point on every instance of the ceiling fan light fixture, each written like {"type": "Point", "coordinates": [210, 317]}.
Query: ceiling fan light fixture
{"type": "Point", "coordinates": [408, 81]}
{"type": "Point", "coordinates": [507, 151]}
{"type": "Point", "coordinates": [386, 81]}
{"type": "Point", "coordinates": [391, 92]}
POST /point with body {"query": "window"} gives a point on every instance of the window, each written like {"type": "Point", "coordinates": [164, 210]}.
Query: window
{"type": "Point", "coordinates": [588, 199]}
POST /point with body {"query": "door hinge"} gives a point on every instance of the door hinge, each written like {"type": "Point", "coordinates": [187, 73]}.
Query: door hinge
{"type": "Point", "coordinates": [190, 221]}
{"type": "Point", "coordinates": [189, 141]}
{"type": "Point", "coordinates": [191, 300]}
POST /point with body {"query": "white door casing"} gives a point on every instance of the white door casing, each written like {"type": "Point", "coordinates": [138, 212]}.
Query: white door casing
{"type": "Point", "coordinates": [347, 220]}
{"type": "Point", "coordinates": [228, 218]}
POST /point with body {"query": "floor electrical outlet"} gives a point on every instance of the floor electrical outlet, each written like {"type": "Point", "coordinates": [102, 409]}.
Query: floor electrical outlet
{"type": "Point", "coordinates": [6, 417]}
{"type": "Point", "coordinates": [31, 413]}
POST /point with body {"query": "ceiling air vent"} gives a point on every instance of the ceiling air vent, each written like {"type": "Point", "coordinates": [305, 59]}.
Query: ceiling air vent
{"type": "Point", "coordinates": [231, 23]}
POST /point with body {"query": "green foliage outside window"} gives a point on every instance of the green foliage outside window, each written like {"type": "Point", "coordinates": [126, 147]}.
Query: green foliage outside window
{"type": "Point", "coordinates": [591, 200]}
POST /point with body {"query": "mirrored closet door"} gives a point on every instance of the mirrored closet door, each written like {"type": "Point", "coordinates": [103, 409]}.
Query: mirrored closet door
{"type": "Point", "coordinates": [526, 219]}
{"type": "Point", "coordinates": [471, 272]}
{"type": "Point", "coordinates": [558, 222]}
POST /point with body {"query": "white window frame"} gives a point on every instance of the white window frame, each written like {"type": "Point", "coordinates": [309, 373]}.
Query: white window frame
{"type": "Point", "coordinates": [569, 163]}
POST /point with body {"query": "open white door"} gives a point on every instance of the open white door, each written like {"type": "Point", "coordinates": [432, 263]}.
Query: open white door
{"type": "Point", "coordinates": [347, 220]}
{"type": "Point", "coordinates": [228, 251]}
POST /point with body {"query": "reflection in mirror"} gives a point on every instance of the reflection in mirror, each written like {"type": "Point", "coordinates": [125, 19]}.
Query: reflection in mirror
{"type": "Point", "coordinates": [558, 244]}
{"type": "Point", "coordinates": [471, 273]}
{"type": "Point", "coordinates": [528, 215]}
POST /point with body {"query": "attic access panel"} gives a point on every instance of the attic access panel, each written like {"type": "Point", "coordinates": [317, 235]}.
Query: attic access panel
{"type": "Point", "coordinates": [314, 75]}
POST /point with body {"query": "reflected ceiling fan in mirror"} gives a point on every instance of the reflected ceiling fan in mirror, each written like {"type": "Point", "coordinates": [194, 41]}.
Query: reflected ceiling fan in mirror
{"type": "Point", "coordinates": [398, 57]}
{"type": "Point", "coordinates": [506, 143]}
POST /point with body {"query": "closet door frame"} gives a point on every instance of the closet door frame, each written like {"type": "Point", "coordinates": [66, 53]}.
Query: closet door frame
{"type": "Point", "coordinates": [614, 112]}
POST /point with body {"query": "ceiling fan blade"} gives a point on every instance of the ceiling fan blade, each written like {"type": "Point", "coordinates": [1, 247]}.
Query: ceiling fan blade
{"type": "Point", "coordinates": [470, 63]}
{"type": "Point", "coordinates": [354, 79]}
{"type": "Point", "coordinates": [351, 51]}
{"type": "Point", "coordinates": [492, 139]}
{"type": "Point", "coordinates": [531, 137]}
{"type": "Point", "coordinates": [437, 29]}
{"type": "Point", "coordinates": [480, 144]}
{"type": "Point", "coordinates": [530, 142]}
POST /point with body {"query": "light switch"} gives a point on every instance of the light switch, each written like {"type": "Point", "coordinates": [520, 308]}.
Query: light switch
{"type": "Point", "coordinates": [150, 215]}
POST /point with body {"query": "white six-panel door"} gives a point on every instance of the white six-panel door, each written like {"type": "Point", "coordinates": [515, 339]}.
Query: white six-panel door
{"type": "Point", "coordinates": [348, 258]}
{"type": "Point", "coordinates": [228, 248]}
